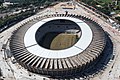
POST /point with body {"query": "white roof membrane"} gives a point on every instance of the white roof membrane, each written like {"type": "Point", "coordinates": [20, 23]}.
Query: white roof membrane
{"type": "Point", "coordinates": [80, 46]}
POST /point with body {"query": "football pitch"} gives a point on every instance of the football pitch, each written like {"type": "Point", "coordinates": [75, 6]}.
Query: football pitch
{"type": "Point", "coordinates": [58, 41]}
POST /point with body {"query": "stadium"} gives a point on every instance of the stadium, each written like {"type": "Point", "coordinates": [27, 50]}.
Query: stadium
{"type": "Point", "coordinates": [58, 45]}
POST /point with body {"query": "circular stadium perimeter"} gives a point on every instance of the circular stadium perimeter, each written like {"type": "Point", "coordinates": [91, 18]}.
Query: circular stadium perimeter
{"type": "Point", "coordinates": [58, 45]}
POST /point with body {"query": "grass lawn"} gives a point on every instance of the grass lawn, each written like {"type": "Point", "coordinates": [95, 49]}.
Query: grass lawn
{"type": "Point", "coordinates": [63, 41]}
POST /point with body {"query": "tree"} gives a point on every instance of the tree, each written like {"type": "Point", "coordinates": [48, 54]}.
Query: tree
{"type": "Point", "coordinates": [1, 2]}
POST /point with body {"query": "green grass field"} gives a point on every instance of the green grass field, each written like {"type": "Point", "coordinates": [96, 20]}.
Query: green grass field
{"type": "Point", "coordinates": [57, 41]}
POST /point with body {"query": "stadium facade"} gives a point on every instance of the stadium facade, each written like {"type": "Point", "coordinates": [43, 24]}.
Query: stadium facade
{"type": "Point", "coordinates": [32, 48]}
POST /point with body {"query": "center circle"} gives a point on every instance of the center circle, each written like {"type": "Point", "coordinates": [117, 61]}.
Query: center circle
{"type": "Point", "coordinates": [58, 34]}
